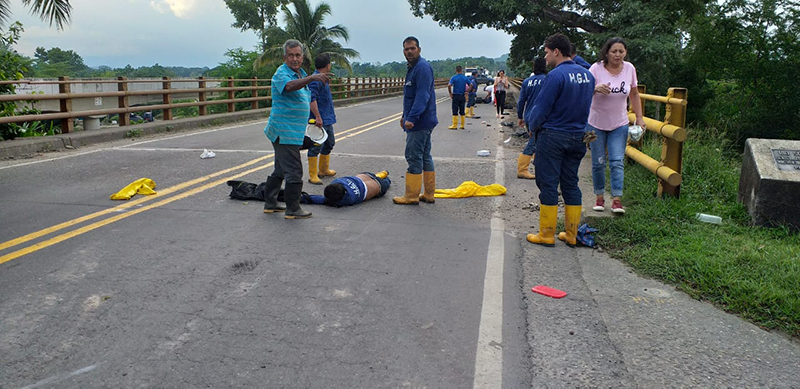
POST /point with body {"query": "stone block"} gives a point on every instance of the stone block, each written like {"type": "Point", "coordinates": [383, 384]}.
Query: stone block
{"type": "Point", "coordinates": [769, 185]}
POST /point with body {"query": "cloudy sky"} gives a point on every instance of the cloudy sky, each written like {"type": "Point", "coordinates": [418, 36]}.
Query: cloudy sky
{"type": "Point", "coordinates": [198, 32]}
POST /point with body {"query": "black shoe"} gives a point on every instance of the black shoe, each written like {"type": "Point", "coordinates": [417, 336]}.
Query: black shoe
{"type": "Point", "coordinates": [292, 195]}
{"type": "Point", "coordinates": [271, 195]}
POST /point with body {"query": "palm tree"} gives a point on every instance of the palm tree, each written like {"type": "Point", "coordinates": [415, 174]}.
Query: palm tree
{"type": "Point", "coordinates": [305, 25]}
{"type": "Point", "coordinates": [53, 11]}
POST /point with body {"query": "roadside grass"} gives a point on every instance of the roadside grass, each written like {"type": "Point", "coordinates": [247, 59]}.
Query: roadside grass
{"type": "Point", "coordinates": [750, 271]}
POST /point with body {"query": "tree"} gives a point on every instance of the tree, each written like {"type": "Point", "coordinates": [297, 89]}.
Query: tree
{"type": "Point", "coordinates": [52, 11]}
{"type": "Point", "coordinates": [256, 15]}
{"type": "Point", "coordinates": [305, 25]}
{"type": "Point", "coordinates": [57, 62]}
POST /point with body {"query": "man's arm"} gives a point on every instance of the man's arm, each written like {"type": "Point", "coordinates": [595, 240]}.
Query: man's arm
{"type": "Point", "coordinates": [544, 102]}
{"type": "Point", "coordinates": [294, 85]}
{"type": "Point", "coordinates": [523, 97]}
{"type": "Point", "coordinates": [421, 97]}
{"type": "Point", "coordinates": [315, 111]}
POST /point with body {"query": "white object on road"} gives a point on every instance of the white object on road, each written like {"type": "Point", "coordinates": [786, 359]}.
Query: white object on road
{"type": "Point", "coordinates": [713, 219]}
{"type": "Point", "coordinates": [207, 154]}
{"type": "Point", "coordinates": [484, 153]}
{"type": "Point", "coordinates": [507, 140]}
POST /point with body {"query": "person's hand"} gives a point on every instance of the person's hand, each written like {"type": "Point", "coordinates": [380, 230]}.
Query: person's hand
{"type": "Point", "coordinates": [318, 121]}
{"type": "Point", "coordinates": [603, 89]}
{"type": "Point", "coordinates": [640, 122]}
{"type": "Point", "coordinates": [521, 122]}
{"type": "Point", "coordinates": [451, 95]}
{"type": "Point", "coordinates": [402, 123]}
{"type": "Point", "coordinates": [321, 77]}
{"type": "Point", "coordinates": [409, 125]}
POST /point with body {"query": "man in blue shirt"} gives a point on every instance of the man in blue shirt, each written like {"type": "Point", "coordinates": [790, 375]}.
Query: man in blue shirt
{"type": "Point", "coordinates": [577, 58]}
{"type": "Point", "coordinates": [561, 110]}
{"type": "Point", "coordinates": [324, 117]}
{"type": "Point", "coordinates": [473, 88]}
{"type": "Point", "coordinates": [458, 88]}
{"type": "Point", "coordinates": [418, 121]}
{"type": "Point", "coordinates": [352, 190]}
{"type": "Point", "coordinates": [286, 129]}
{"type": "Point", "coordinates": [527, 95]}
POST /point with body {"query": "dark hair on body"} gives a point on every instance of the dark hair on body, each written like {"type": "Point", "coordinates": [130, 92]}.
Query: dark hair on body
{"type": "Point", "coordinates": [560, 42]}
{"type": "Point", "coordinates": [322, 61]}
{"type": "Point", "coordinates": [334, 193]}
{"type": "Point", "coordinates": [539, 66]}
{"type": "Point", "coordinates": [603, 56]}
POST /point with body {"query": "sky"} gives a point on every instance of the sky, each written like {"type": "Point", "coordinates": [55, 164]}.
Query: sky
{"type": "Point", "coordinates": [197, 33]}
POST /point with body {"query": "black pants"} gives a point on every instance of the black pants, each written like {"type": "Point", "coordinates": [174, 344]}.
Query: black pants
{"type": "Point", "coordinates": [288, 164]}
{"type": "Point", "coordinates": [458, 104]}
{"type": "Point", "coordinates": [500, 99]}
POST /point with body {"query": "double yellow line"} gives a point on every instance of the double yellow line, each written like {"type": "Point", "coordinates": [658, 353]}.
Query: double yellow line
{"type": "Point", "coordinates": [160, 195]}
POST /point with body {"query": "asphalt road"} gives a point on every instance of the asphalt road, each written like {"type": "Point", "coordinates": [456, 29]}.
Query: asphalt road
{"type": "Point", "coordinates": [190, 288]}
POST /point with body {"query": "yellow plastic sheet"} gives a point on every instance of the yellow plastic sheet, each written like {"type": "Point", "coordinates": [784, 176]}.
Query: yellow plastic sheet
{"type": "Point", "coordinates": [470, 189]}
{"type": "Point", "coordinates": [142, 186]}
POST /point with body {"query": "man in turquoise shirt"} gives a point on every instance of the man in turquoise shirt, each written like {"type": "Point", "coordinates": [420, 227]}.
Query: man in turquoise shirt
{"type": "Point", "coordinates": [286, 129]}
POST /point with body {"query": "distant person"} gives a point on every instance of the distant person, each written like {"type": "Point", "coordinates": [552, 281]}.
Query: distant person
{"type": "Point", "coordinates": [527, 95]}
{"type": "Point", "coordinates": [473, 94]}
{"type": "Point", "coordinates": [286, 129]}
{"type": "Point", "coordinates": [560, 110]}
{"type": "Point", "coordinates": [418, 122]}
{"type": "Point", "coordinates": [615, 84]}
{"type": "Point", "coordinates": [577, 58]}
{"type": "Point", "coordinates": [324, 116]}
{"type": "Point", "coordinates": [500, 88]}
{"type": "Point", "coordinates": [458, 88]}
{"type": "Point", "coordinates": [352, 190]}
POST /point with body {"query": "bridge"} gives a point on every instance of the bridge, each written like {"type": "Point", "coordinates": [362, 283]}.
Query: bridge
{"type": "Point", "coordinates": [189, 288]}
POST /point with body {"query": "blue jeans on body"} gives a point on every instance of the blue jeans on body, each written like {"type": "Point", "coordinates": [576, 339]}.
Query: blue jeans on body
{"type": "Point", "coordinates": [615, 141]}
{"type": "Point", "coordinates": [530, 147]}
{"type": "Point", "coordinates": [418, 151]}
{"type": "Point", "coordinates": [383, 182]}
{"type": "Point", "coordinates": [471, 100]}
{"type": "Point", "coordinates": [326, 147]}
{"type": "Point", "coordinates": [557, 161]}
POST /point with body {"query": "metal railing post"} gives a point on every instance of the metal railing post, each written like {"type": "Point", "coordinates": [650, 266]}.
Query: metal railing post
{"type": "Point", "coordinates": [202, 110]}
{"type": "Point", "coordinates": [254, 103]}
{"type": "Point", "coordinates": [672, 150]}
{"type": "Point", "coordinates": [167, 99]}
{"type": "Point", "coordinates": [122, 102]}
{"type": "Point", "coordinates": [231, 96]}
{"type": "Point", "coordinates": [349, 87]}
{"type": "Point", "coordinates": [65, 104]}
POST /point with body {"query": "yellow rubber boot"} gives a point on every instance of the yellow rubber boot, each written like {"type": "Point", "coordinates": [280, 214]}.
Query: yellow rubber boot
{"type": "Point", "coordinates": [429, 178]}
{"type": "Point", "coordinates": [455, 123]}
{"type": "Point", "coordinates": [572, 217]}
{"type": "Point", "coordinates": [413, 185]}
{"type": "Point", "coordinates": [312, 171]}
{"type": "Point", "coordinates": [522, 167]}
{"type": "Point", "coordinates": [548, 214]}
{"type": "Point", "coordinates": [382, 174]}
{"type": "Point", "coordinates": [324, 166]}
{"type": "Point", "coordinates": [469, 112]}
{"type": "Point", "coordinates": [463, 119]}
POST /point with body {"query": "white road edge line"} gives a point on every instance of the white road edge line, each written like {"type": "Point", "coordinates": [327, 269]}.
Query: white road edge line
{"type": "Point", "coordinates": [61, 377]}
{"type": "Point", "coordinates": [489, 355]}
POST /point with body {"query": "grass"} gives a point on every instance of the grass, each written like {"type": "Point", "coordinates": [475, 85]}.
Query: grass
{"type": "Point", "coordinates": [750, 271]}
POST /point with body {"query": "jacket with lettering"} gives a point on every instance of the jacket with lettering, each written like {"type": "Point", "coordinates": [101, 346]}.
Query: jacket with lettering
{"type": "Point", "coordinates": [354, 190]}
{"type": "Point", "coordinates": [419, 98]}
{"type": "Point", "coordinates": [565, 99]}
{"type": "Point", "coordinates": [527, 94]}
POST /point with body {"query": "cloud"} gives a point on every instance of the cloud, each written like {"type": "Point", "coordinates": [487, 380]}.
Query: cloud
{"type": "Point", "coordinates": [181, 8]}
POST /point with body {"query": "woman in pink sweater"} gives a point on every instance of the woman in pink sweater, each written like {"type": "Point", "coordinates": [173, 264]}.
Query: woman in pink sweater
{"type": "Point", "coordinates": [615, 84]}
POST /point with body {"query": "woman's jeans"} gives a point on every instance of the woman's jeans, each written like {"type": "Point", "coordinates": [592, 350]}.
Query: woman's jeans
{"type": "Point", "coordinates": [530, 147]}
{"type": "Point", "coordinates": [558, 158]}
{"type": "Point", "coordinates": [615, 141]}
{"type": "Point", "coordinates": [418, 151]}
{"type": "Point", "coordinates": [326, 147]}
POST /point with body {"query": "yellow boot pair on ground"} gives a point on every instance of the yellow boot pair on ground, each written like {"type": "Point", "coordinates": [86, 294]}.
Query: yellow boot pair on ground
{"type": "Point", "coordinates": [413, 187]}
{"type": "Point", "coordinates": [470, 112]}
{"type": "Point", "coordinates": [455, 123]}
{"type": "Point", "coordinates": [548, 215]}
{"type": "Point", "coordinates": [324, 171]}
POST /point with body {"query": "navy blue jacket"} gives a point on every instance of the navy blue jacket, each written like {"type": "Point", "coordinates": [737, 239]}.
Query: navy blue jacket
{"type": "Point", "coordinates": [354, 190]}
{"type": "Point", "coordinates": [419, 98]}
{"type": "Point", "coordinates": [527, 95]}
{"type": "Point", "coordinates": [580, 61]}
{"type": "Point", "coordinates": [321, 93]}
{"type": "Point", "coordinates": [474, 91]}
{"type": "Point", "coordinates": [564, 101]}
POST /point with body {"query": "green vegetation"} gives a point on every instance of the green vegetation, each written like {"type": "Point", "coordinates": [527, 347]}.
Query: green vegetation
{"type": "Point", "coordinates": [750, 271]}
{"type": "Point", "coordinates": [52, 11]}
{"type": "Point", "coordinates": [444, 68]}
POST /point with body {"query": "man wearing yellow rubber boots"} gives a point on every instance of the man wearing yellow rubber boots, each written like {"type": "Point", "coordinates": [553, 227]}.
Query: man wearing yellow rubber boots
{"type": "Point", "coordinates": [560, 110]}
{"type": "Point", "coordinates": [473, 94]}
{"type": "Point", "coordinates": [527, 95]}
{"type": "Point", "coordinates": [458, 88]}
{"type": "Point", "coordinates": [418, 121]}
{"type": "Point", "coordinates": [322, 112]}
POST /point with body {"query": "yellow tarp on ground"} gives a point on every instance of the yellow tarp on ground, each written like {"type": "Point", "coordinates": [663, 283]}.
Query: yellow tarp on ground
{"type": "Point", "coordinates": [142, 186]}
{"type": "Point", "coordinates": [470, 189]}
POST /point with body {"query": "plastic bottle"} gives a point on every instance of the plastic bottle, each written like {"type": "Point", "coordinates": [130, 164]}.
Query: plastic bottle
{"type": "Point", "coordinates": [713, 219]}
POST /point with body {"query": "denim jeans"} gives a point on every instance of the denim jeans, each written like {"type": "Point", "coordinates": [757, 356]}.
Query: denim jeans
{"type": "Point", "coordinates": [471, 100]}
{"type": "Point", "coordinates": [615, 141]}
{"type": "Point", "coordinates": [530, 147]}
{"type": "Point", "coordinates": [418, 151]}
{"type": "Point", "coordinates": [383, 182]}
{"type": "Point", "coordinates": [326, 147]}
{"type": "Point", "coordinates": [557, 161]}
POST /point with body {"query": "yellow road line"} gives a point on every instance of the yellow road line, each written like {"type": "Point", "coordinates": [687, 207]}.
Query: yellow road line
{"type": "Point", "coordinates": [101, 223]}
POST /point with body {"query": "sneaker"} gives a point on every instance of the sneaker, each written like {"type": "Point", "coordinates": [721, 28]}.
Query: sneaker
{"type": "Point", "coordinates": [616, 207]}
{"type": "Point", "coordinates": [600, 205]}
